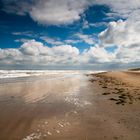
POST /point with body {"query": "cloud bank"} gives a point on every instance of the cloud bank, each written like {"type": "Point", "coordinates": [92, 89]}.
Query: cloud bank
{"type": "Point", "coordinates": [125, 35]}
{"type": "Point", "coordinates": [33, 54]}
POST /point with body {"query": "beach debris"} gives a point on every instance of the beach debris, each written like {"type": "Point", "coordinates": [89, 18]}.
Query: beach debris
{"type": "Point", "coordinates": [45, 135]}
{"type": "Point", "coordinates": [57, 131]}
{"type": "Point", "coordinates": [12, 96]}
{"type": "Point", "coordinates": [75, 112]}
{"type": "Point", "coordinates": [120, 102]}
{"type": "Point", "coordinates": [61, 125]}
{"type": "Point", "coordinates": [113, 99]}
{"type": "Point", "coordinates": [46, 123]}
{"type": "Point", "coordinates": [104, 87]}
{"type": "Point", "coordinates": [106, 93]}
{"type": "Point", "coordinates": [49, 133]}
{"type": "Point", "coordinates": [126, 93]}
{"type": "Point", "coordinates": [32, 136]}
{"type": "Point", "coordinates": [67, 123]}
{"type": "Point", "coordinates": [122, 96]}
{"type": "Point", "coordinates": [92, 80]}
{"type": "Point", "coordinates": [115, 137]}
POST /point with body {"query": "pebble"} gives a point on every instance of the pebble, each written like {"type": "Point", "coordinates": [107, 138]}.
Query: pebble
{"type": "Point", "coordinates": [57, 131]}
{"type": "Point", "coordinates": [49, 133]}
{"type": "Point", "coordinates": [61, 125]}
{"type": "Point", "coordinates": [46, 123]}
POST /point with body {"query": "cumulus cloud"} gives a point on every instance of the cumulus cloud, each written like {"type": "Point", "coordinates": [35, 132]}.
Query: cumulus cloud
{"type": "Point", "coordinates": [78, 37]}
{"type": "Point", "coordinates": [96, 55]}
{"type": "Point", "coordinates": [54, 12]}
{"type": "Point", "coordinates": [86, 38]}
{"type": "Point", "coordinates": [128, 54]}
{"type": "Point", "coordinates": [49, 12]}
{"type": "Point", "coordinates": [52, 41]}
{"type": "Point", "coordinates": [58, 12]}
{"type": "Point", "coordinates": [121, 33]}
{"type": "Point", "coordinates": [35, 54]}
{"type": "Point", "coordinates": [33, 48]}
{"type": "Point", "coordinates": [121, 7]}
{"type": "Point", "coordinates": [125, 35]}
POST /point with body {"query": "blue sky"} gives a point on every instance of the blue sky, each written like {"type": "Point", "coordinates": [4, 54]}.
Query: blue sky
{"type": "Point", "coordinates": [82, 34]}
{"type": "Point", "coordinates": [11, 23]}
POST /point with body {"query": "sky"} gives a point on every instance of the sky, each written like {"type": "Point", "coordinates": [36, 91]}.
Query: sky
{"type": "Point", "coordinates": [69, 34]}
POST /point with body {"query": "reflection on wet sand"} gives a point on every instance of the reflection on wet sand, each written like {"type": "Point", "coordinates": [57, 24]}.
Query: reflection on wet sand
{"type": "Point", "coordinates": [40, 108]}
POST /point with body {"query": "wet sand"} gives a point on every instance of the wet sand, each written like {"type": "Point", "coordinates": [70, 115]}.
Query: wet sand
{"type": "Point", "coordinates": [76, 107]}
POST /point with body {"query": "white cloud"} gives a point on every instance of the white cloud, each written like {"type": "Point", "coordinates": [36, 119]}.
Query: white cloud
{"type": "Point", "coordinates": [52, 41]}
{"type": "Point", "coordinates": [125, 35]}
{"type": "Point", "coordinates": [65, 54]}
{"type": "Point", "coordinates": [123, 7]}
{"type": "Point", "coordinates": [98, 24]}
{"type": "Point", "coordinates": [66, 49]}
{"type": "Point", "coordinates": [129, 54]}
{"type": "Point", "coordinates": [35, 53]}
{"type": "Point", "coordinates": [121, 33]}
{"type": "Point", "coordinates": [85, 24]}
{"type": "Point", "coordinates": [49, 12]}
{"type": "Point", "coordinates": [56, 12]}
{"type": "Point", "coordinates": [61, 12]}
{"type": "Point", "coordinates": [71, 41]}
{"type": "Point", "coordinates": [86, 38]}
{"type": "Point", "coordinates": [33, 48]}
{"type": "Point", "coordinates": [96, 55]}
{"type": "Point", "coordinates": [9, 53]}
{"type": "Point", "coordinates": [16, 7]}
{"type": "Point", "coordinates": [26, 33]}
{"type": "Point", "coordinates": [10, 56]}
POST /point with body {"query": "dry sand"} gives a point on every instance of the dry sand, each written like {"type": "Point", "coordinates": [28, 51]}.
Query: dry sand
{"type": "Point", "coordinates": [83, 107]}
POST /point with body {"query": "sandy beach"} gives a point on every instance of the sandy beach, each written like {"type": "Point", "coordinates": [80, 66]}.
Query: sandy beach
{"type": "Point", "coordinates": [102, 106]}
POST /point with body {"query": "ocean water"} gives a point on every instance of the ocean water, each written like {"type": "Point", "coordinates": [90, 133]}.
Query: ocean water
{"type": "Point", "coordinates": [33, 73]}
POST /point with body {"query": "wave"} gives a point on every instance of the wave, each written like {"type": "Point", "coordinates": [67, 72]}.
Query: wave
{"type": "Point", "coordinates": [28, 73]}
